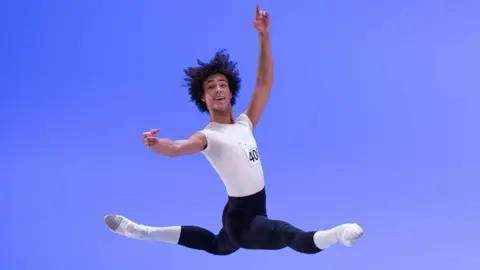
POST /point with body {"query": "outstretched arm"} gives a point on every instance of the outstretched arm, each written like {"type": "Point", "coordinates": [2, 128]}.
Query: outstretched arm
{"type": "Point", "coordinates": [174, 148]}
{"type": "Point", "coordinates": [264, 81]}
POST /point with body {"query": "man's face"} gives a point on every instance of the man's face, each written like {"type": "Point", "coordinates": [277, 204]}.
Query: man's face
{"type": "Point", "coordinates": [217, 94]}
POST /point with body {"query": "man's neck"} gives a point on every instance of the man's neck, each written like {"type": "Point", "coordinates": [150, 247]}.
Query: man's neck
{"type": "Point", "coordinates": [222, 118]}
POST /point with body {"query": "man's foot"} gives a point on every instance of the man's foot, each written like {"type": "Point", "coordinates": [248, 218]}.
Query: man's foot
{"type": "Point", "coordinates": [348, 233]}
{"type": "Point", "coordinates": [122, 225]}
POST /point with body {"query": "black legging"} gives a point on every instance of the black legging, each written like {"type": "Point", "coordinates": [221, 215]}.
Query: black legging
{"type": "Point", "coordinates": [246, 225]}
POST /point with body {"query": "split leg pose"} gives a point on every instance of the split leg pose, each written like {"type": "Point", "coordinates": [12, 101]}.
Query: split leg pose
{"type": "Point", "coordinates": [229, 145]}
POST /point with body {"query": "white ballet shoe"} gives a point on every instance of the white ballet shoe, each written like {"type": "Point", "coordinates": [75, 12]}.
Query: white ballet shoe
{"type": "Point", "coordinates": [349, 233]}
{"type": "Point", "coordinates": [124, 226]}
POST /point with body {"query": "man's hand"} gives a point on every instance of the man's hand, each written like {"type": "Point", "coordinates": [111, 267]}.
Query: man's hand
{"type": "Point", "coordinates": [167, 147]}
{"type": "Point", "coordinates": [149, 138]}
{"type": "Point", "coordinates": [262, 20]}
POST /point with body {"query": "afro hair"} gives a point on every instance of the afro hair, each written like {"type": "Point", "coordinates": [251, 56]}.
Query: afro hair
{"type": "Point", "coordinates": [220, 64]}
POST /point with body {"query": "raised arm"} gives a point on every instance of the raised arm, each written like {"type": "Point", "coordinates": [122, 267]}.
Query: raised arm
{"type": "Point", "coordinates": [174, 148]}
{"type": "Point", "coordinates": [264, 81]}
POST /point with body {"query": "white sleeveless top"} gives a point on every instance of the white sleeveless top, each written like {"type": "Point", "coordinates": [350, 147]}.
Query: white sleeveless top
{"type": "Point", "coordinates": [233, 153]}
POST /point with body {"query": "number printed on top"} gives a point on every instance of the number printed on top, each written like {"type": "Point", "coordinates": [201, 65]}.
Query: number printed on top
{"type": "Point", "coordinates": [252, 154]}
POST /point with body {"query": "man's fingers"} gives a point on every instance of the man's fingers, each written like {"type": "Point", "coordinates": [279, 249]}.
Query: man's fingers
{"type": "Point", "coordinates": [263, 14]}
{"type": "Point", "coordinates": [260, 14]}
{"type": "Point", "coordinates": [149, 141]}
{"type": "Point", "coordinates": [152, 132]}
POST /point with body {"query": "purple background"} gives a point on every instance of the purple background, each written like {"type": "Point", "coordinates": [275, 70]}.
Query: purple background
{"type": "Point", "coordinates": [374, 119]}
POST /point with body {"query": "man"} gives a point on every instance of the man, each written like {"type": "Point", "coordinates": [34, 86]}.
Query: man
{"type": "Point", "coordinates": [229, 145]}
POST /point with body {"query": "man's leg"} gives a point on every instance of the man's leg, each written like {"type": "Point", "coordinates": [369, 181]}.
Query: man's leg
{"type": "Point", "coordinates": [271, 234]}
{"type": "Point", "coordinates": [199, 238]}
{"type": "Point", "coordinates": [189, 236]}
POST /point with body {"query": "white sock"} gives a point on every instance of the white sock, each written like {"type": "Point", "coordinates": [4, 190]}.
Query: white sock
{"type": "Point", "coordinates": [122, 225]}
{"type": "Point", "coordinates": [324, 239]}
{"type": "Point", "coordinates": [165, 234]}
{"type": "Point", "coordinates": [345, 233]}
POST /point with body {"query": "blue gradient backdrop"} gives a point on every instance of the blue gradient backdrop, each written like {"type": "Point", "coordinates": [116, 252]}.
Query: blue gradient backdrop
{"type": "Point", "coordinates": [374, 118]}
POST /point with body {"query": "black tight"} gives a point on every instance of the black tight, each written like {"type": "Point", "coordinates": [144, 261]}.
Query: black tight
{"type": "Point", "coordinates": [246, 225]}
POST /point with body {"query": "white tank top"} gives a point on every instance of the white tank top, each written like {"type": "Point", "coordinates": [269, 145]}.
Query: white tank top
{"type": "Point", "coordinates": [233, 153]}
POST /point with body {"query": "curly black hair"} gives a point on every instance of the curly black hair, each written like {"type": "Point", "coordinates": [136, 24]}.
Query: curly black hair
{"type": "Point", "coordinates": [220, 64]}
